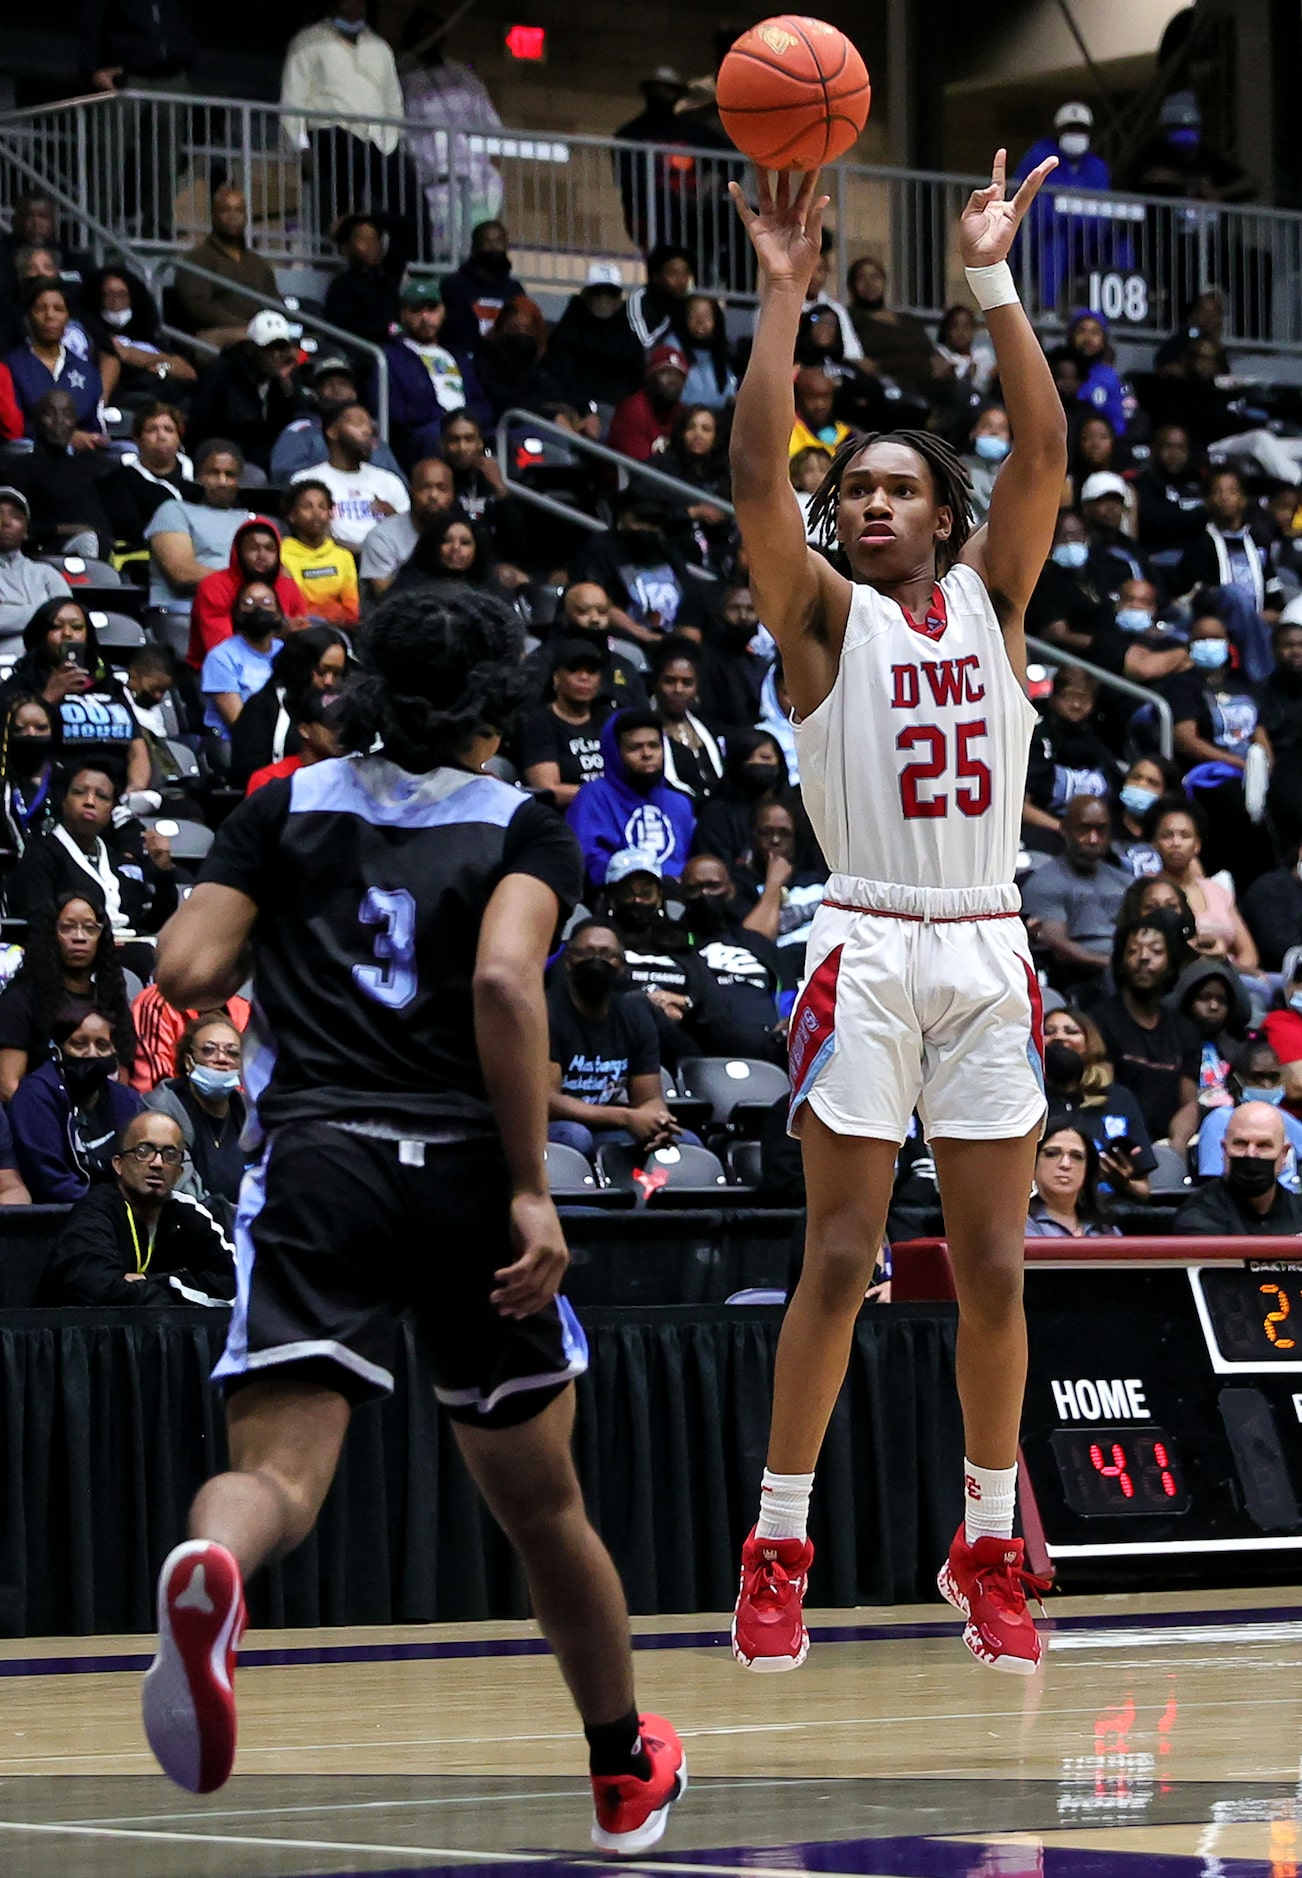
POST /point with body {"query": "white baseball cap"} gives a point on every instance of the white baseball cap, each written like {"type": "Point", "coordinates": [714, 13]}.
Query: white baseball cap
{"type": "Point", "coordinates": [268, 328]}
{"type": "Point", "coordinates": [1073, 116]}
{"type": "Point", "coordinates": [1103, 483]}
{"type": "Point", "coordinates": [632, 861]}
{"type": "Point", "coordinates": [604, 274]}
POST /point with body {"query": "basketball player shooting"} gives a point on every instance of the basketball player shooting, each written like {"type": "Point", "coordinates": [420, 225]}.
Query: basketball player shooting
{"type": "Point", "coordinates": [902, 638]}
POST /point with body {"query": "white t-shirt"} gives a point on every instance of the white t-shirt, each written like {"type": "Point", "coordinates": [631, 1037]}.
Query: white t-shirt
{"type": "Point", "coordinates": [354, 492]}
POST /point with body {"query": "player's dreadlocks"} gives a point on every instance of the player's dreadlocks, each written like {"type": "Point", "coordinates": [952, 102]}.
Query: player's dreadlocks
{"type": "Point", "coordinates": [952, 484]}
{"type": "Point", "coordinates": [435, 673]}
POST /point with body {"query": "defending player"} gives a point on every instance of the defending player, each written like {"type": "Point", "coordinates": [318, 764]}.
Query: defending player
{"type": "Point", "coordinates": [399, 908]}
{"type": "Point", "coordinates": [905, 657]}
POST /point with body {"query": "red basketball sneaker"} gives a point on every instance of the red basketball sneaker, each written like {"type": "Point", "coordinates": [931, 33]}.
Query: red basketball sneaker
{"type": "Point", "coordinates": [631, 1814]}
{"type": "Point", "coordinates": [768, 1626]}
{"type": "Point", "coordinates": [989, 1584]}
{"type": "Point", "coordinates": [188, 1700]}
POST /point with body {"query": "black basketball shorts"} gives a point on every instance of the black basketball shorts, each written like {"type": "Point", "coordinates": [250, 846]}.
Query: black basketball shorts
{"type": "Point", "coordinates": [338, 1232]}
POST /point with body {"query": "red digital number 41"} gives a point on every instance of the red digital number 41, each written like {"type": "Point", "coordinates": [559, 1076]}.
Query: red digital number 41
{"type": "Point", "coordinates": [967, 769]}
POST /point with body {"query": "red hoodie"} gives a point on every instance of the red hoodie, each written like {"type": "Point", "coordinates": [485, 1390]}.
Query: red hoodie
{"type": "Point", "coordinates": [210, 615]}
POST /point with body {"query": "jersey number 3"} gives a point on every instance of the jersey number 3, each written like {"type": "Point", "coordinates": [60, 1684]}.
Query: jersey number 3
{"type": "Point", "coordinates": [392, 981]}
{"type": "Point", "coordinates": [969, 770]}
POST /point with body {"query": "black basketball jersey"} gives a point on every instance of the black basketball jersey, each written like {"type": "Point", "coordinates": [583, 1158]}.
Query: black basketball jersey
{"type": "Point", "coordinates": [371, 885]}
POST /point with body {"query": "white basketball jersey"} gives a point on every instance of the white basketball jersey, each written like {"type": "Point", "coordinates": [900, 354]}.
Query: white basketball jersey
{"type": "Point", "coordinates": [913, 768]}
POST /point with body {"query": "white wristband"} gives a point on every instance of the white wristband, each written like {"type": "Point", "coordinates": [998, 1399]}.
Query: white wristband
{"type": "Point", "coordinates": [992, 286]}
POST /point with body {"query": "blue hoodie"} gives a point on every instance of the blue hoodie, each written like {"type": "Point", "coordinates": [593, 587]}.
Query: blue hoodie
{"type": "Point", "coordinates": [45, 1134]}
{"type": "Point", "coordinates": [611, 814]}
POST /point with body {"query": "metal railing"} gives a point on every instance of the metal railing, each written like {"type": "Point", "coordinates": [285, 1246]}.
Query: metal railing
{"type": "Point", "coordinates": [144, 164]}
{"type": "Point", "coordinates": [627, 467]}
{"type": "Point", "coordinates": [1058, 655]}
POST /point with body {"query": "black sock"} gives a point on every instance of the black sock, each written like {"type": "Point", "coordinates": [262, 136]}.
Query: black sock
{"type": "Point", "coordinates": [616, 1748]}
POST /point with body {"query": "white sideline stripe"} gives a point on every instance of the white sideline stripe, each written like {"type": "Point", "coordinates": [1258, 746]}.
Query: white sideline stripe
{"type": "Point", "coordinates": [1247, 1634]}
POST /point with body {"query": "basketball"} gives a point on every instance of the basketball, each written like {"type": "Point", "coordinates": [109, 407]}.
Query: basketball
{"type": "Point", "coordinates": [793, 93]}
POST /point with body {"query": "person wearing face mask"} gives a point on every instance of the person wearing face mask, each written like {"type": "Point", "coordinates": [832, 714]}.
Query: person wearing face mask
{"type": "Point", "coordinates": [1067, 246]}
{"type": "Point", "coordinates": [741, 1018]}
{"type": "Point", "coordinates": [28, 770]}
{"type": "Point", "coordinates": [1247, 1199]}
{"type": "Point", "coordinates": [735, 659]}
{"type": "Point", "coordinates": [66, 1116]}
{"type": "Point", "coordinates": [990, 440]}
{"type": "Point", "coordinates": [650, 587]}
{"type": "Point", "coordinates": [1078, 1082]}
{"type": "Point", "coordinates": [1178, 162]}
{"type": "Point", "coordinates": [205, 1101]}
{"type": "Point", "coordinates": [657, 956]}
{"type": "Point", "coordinates": [1147, 778]}
{"type": "Point", "coordinates": [754, 771]}
{"type": "Point", "coordinates": [1069, 606]}
{"type": "Point", "coordinates": [631, 806]}
{"type": "Point", "coordinates": [241, 665]}
{"type": "Point", "coordinates": [255, 555]}
{"type": "Point", "coordinates": [1138, 644]}
{"type": "Point", "coordinates": [605, 1056]}
{"type": "Point", "coordinates": [510, 360]}
{"type": "Point", "coordinates": [1216, 725]}
{"type": "Point", "coordinates": [1258, 1077]}
{"type": "Point", "coordinates": [475, 293]}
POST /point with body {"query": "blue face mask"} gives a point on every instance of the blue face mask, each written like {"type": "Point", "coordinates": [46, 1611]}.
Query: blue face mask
{"type": "Point", "coordinates": [1209, 654]}
{"type": "Point", "coordinates": [1273, 1096]}
{"type": "Point", "coordinates": [1295, 1002]}
{"type": "Point", "coordinates": [1134, 619]}
{"type": "Point", "coordinates": [1187, 137]}
{"type": "Point", "coordinates": [991, 449]}
{"type": "Point", "coordinates": [1137, 799]}
{"type": "Point", "coordinates": [1071, 553]}
{"type": "Point", "coordinates": [214, 1082]}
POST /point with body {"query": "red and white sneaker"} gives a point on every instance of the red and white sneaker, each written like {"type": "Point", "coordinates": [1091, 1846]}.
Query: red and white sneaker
{"type": "Point", "coordinates": [188, 1701]}
{"type": "Point", "coordinates": [989, 1584]}
{"type": "Point", "coordinates": [768, 1625]}
{"type": "Point", "coordinates": [631, 1814]}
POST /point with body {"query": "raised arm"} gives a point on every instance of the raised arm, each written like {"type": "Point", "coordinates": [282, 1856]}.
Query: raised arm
{"type": "Point", "coordinates": [1010, 551]}
{"type": "Point", "coordinates": [801, 600]}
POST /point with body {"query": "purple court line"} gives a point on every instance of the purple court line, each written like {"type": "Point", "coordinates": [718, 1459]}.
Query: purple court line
{"type": "Point", "coordinates": [433, 1651]}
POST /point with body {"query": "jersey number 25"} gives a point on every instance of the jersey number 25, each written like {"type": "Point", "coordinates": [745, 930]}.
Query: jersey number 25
{"type": "Point", "coordinates": [973, 798]}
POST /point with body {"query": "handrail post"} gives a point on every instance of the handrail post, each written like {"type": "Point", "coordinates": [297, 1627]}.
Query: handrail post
{"type": "Point", "coordinates": [1055, 655]}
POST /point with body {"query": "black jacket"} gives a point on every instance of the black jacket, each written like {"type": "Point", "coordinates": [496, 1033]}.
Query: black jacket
{"type": "Point", "coordinates": [1215, 1209]}
{"type": "Point", "coordinates": [192, 1262]}
{"type": "Point", "coordinates": [149, 38]}
{"type": "Point", "coordinates": [47, 870]}
{"type": "Point", "coordinates": [229, 404]}
{"type": "Point", "coordinates": [1272, 912]}
{"type": "Point", "coordinates": [595, 361]}
{"type": "Point", "coordinates": [364, 300]}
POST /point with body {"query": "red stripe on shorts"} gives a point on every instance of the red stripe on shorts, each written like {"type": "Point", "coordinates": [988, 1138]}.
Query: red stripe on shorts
{"type": "Point", "coordinates": [1037, 1010]}
{"type": "Point", "coordinates": [814, 1018]}
{"type": "Point", "coordinates": [920, 919]}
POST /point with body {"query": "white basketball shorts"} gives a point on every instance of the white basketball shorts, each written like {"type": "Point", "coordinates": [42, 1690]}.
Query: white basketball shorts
{"type": "Point", "coordinates": [923, 998]}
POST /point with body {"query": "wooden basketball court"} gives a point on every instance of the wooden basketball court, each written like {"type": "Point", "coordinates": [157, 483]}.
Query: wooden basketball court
{"type": "Point", "coordinates": [1161, 1738]}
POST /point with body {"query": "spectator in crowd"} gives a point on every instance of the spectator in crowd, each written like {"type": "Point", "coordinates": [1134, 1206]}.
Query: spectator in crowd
{"type": "Point", "coordinates": [711, 380]}
{"type": "Point", "coordinates": [475, 293]}
{"type": "Point", "coordinates": [1071, 903]}
{"type": "Point", "coordinates": [1169, 493]}
{"type": "Point", "coordinates": [391, 543]}
{"type": "Point", "coordinates": [1066, 1203]}
{"type": "Point", "coordinates": [671, 197]}
{"type": "Point", "coordinates": [134, 1239]}
{"type": "Point", "coordinates": [156, 471]}
{"type": "Point", "coordinates": [820, 299]}
{"type": "Point", "coordinates": [1113, 561]}
{"type": "Point", "coordinates": [67, 1114]}
{"type": "Point", "coordinates": [586, 614]}
{"type": "Point", "coordinates": [63, 486]}
{"type": "Point", "coordinates": [314, 659]}
{"type": "Point", "coordinates": [1272, 911]}
{"type": "Point", "coordinates": [697, 454]}
{"type": "Point", "coordinates": [24, 583]}
{"type": "Point", "coordinates": [425, 380]}
{"type": "Point", "coordinates": [896, 345]}
{"type": "Point", "coordinates": [815, 423]}
{"type": "Point", "coordinates": [1226, 554]}
{"type": "Point", "coordinates": [249, 394]}
{"type": "Point", "coordinates": [693, 754]}
{"type": "Point", "coordinates": [1178, 162]}
{"type": "Point", "coordinates": [69, 955]}
{"type": "Point", "coordinates": [335, 72]}
{"type": "Point", "coordinates": [559, 747]}
{"type": "Point", "coordinates": [1215, 711]}
{"type": "Point", "coordinates": [1068, 757]}
{"type": "Point", "coordinates": [605, 1054]}
{"type": "Point", "coordinates": [1209, 994]}
{"type": "Point", "coordinates": [1279, 725]}
{"type": "Point", "coordinates": [1068, 606]}
{"type": "Point", "coordinates": [1176, 827]}
{"type": "Point", "coordinates": [450, 552]}
{"type": "Point", "coordinates": [1079, 1083]}
{"type": "Point", "coordinates": [314, 719]}
{"type": "Point", "coordinates": [989, 441]}
{"type": "Point", "coordinates": [631, 805]}
{"type": "Point", "coordinates": [651, 590]}
{"type": "Point", "coordinates": [1101, 388]}
{"type": "Point", "coordinates": [30, 752]}
{"type": "Point", "coordinates": [189, 539]}
{"type": "Point", "coordinates": [657, 953]}
{"type": "Point", "coordinates": [807, 469]}
{"type": "Point", "coordinates": [1136, 643]}
{"type": "Point", "coordinates": [1248, 1198]}
{"type": "Point", "coordinates": [301, 446]}
{"type": "Point", "coordinates": [1153, 1050]}
{"type": "Point", "coordinates": [457, 175]}
{"type": "Point", "coordinates": [1258, 1077]}
{"type": "Point", "coordinates": [33, 223]}
{"type": "Point", "coordinates": [220, 315]}
{"type": "Point", "coordinates": [732, 669]}
{"type": "Point", "coordinates": [594, 354]}
{"type": "Point", "coordinates": [64, 667]}
{"type": "Point", "coordinates": [477, 485]}
{"type": "Point", "coordinates": [362, 495]}
{"type": "Point", "coordinates": [205, 1102]}
{"type": "Point", "coordinates": [151, 677]}
{"type": "Point", "coordinates": [741, 1018]}
{"type": "Point", "coordinates": [1067, 246]}
{"type": "Point", "coordinates": [43, 362]}
{"type": "Point", "coordinates": [364, 298]}
{"type": "Point", "coordinates": [786, 890]}
{"type": "Point", "coordinates": [513, 373]}
{"type": "Point", "coordinates": [1146, 781]}
{"type": "Point", "coordinates": [13, 1192]}
{"type": "Point", "coordinates": [964, 366]}
{"type": "Point", "coordinates": [324, 573]}
{"type": "Point", "coordinates": [159, 1029]}
{"type": "Point", "coordinates": [1283, 1028]}
{"type": "Point", "coordinates": [255, 555]}
{"type": "Point", "coordinates": [124, 326]}
{"type": "Point", "coordinates": [135, 875]}
{"type": "Point", "coordinates": [240, 665]}
{"type": "Point", "coordinates": [657, 312]}
{"type": "Point", "coordinates": [754, 772]}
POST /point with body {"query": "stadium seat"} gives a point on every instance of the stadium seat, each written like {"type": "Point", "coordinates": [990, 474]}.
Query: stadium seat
{"type": "Point", "coordinates": [744, 1163]}
{"type": "Point", "coordinates": [116, 632]}
{"type": "Point", "coordinates": [568, 1171]}
{"type": "Point", "coordinates": [186, 761]}
{"type": "Point", "coordinates": [730, 1083]}
{"type": "Point", "coordinates": [169, 629]}
{"type": "Point", "coordinates": [676, 1176]}
{"type": "Point", "coordinates": [79, 572]}
{"type": "Point", "coordinates": [190, 840]}
{"type": "Point", "coordinates": [1170, 1175]}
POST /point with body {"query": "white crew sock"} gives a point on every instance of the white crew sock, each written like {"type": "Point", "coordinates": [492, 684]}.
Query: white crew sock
{"type": "Point", "coordinates": [784, 1505]}
{"type": "Point", "coordinates": [989, 1499]}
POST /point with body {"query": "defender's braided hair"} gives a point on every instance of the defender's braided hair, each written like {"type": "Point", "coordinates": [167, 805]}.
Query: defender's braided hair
{"type": "Point", "coordinates": [951, 481]}
{"type": "Point", "coordinates": [436, 671]}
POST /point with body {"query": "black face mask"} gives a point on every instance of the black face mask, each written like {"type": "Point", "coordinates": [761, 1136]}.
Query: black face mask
{"type": "Point", "coordinates": [644, 546]}
{"type": "Point", "coordinates": [27, 754]}
{"type": "Point", "coordinates": [1062, 1065]}
{"type": "Point", "coordinates": [594, 979]}
{"type": "Point", "coordinates": [494, 263]}
{"type": "Point", "coordinates": [737, 638]}
{"type": "Point", "coordinates": [638, 915]}
{"type": "Point", "coordinates": [519, 349]}
{"type": "Point", "coordinates": [753, 779]}
{"type": "Point", "coordinates": [708, 913]}
{"type": "Point", "coordinates": [1250, 1174]}
{"type": "Point", "coordinates": [87, 1075]}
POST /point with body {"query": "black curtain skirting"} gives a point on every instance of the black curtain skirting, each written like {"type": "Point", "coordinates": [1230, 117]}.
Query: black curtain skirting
{"type": "Point", "coordinates": [108, 1425]}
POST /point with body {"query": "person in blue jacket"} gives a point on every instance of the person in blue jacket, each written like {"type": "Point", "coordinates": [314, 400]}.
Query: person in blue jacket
{"type": "Point", "coordinates": [302, 445]}
{"type": "Point", "coordinates": [67, 1115]}
{"type": "Point", "coordinates": [1102, 387]}
{"type": "Point", "coordinates": [1066, 246]}
{"type": "Point", "coordinates": [425, 380]}
{"type": "Point", "coordinates": [631, 805]}
{"type": "Point", "coordinates": [47, 361]}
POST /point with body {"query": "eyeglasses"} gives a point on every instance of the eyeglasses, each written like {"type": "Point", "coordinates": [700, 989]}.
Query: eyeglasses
{"type": "Point", "coordinates": [146, 1151]}
{"type": "Point", "coordinates": [209, 1052]}
{"type": "Point", "coordinates": [79, 929]}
